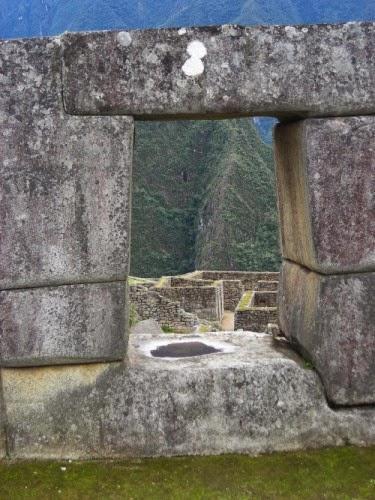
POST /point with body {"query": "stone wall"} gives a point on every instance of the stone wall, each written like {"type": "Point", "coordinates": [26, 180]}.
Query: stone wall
{"type": "Point", "coordinates": [234, 282]}
{"type": "Point", "coordinates": [255, 319]}
{"type": "Point", "coordinates": [256, 399]}
{"type": "Point", "coordinates": [263, 285]}
{"type": "Point", "coordinates": [207, 302]}
{"type": "Point", "coordinates": [249, 279]}
{"type": "Point", "coordinates": [326, 187]}
{"type": "Point", "coordinates": [255, 311]}
{"type": "Point", "coordinates": [151, 304]}
{"type": "Point", "coordinates": [264, 299]}
{"type": "Point", "coordinates": [65, 198]}
{"type": "Point", "coordinates": [178, 281]}
{"type": "Point", "coordinates": [233, 290]}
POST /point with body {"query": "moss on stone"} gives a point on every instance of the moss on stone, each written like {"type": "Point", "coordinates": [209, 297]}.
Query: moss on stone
{"type": "Point", "coordinates": [245, 301]}
{"type": "Point", "coordinates": [343, 473]}
{"type": "Point", "coordinates": [163, 282]}
{"type": "Point", "coordinates": [133, 280]}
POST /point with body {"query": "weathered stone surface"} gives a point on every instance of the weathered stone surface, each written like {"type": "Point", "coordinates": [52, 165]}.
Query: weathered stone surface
{"type": "Point", "coordinates": [147, 326]}
{"type": "Point", "coordinates": [255, 399]}
{"type": "Point", "coordinates": [326, 190]}
{"type": "Point", "coordinates": [326, 182]}
{"type": "Point", "coordinates": [331, 320]}
{"type": "Point", "coordinates": [64, 180]}
{"type": "Point", "coordinates": [64, 324]}
{"type": "Point", "coordinates": [292, 71]}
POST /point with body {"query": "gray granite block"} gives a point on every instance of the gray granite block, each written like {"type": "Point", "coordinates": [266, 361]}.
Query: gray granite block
{"type": "Point", "coordinates": [258, 398]}
{"type": "Point", "coordinates": [331, 320]}
{"type": "Point", "coordinates": [326, 192]}
{"type": "Point", "coordinates": [65, 180]}
{"type": "Point", "coordinates": [64, 324]}
{"type": "Point", "coordinates": [285, 71]}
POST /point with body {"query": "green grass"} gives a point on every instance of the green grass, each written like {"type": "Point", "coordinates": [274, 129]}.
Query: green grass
{"type": "Point", "coordinates": [168, 329]}
{"type": "Point", "coordinates": [341, 473]}
{"type": "Point", "coordinates": [162, 282]}
{"type": "Point", "coordinates": [134, 280]}
{"type": "Point", "coordinates": [204, 328]}
{"type": "Point", "coordinates": [245, 301]}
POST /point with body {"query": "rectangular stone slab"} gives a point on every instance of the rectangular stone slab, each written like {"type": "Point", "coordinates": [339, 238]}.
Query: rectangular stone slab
{"type": "Point", "coordinates": [326, 193]}
{"type": "Point", "coordinates": [285, 71]}
{"type": "Point", "coordinates": [64, 180]}
{"type": "Point", "coordinates": [331, 320]}
{"type": "Point", "coordinates": [64, 324]}
{"type": "Point", "coordinates": [257, 399]}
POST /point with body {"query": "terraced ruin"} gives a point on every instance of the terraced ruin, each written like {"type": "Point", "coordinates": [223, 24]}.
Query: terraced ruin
{"type": "Point", "coordinates": [183, 303]}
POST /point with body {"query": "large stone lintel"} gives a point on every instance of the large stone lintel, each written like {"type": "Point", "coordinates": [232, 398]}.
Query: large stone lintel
{"type": "Point", "coordinates": [331, 320]}
{"type": "Point", "coordinates": [326, 192]}
{"type": "Point", "coordinates": [64, 324]}
{"type": "Point", "coordinates": [64, 180]}
{"type": "Point", "coordinates": [257, 399]}
{"type": "Point", "coordinates": [285, 71]}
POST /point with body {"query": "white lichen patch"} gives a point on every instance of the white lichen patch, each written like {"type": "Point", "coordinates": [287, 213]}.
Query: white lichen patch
{"type": "Point", "coordinates": [194, 65]}
{"type": "Point", "coordinates": [124, 38]}
{"type": "Point", "coordinates": [196, 49]}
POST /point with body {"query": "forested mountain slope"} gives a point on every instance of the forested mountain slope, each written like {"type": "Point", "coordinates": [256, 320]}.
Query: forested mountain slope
{"type": "Point", "coordinates": [203, 197]}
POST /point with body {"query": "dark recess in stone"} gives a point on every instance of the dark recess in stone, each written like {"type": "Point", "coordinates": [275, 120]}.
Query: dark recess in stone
{"type": "Point", "coordinates": [183, 350]}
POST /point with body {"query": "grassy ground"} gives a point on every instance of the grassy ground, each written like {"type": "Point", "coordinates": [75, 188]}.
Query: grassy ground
{"type": "Point", "coordinates": [342, 473]}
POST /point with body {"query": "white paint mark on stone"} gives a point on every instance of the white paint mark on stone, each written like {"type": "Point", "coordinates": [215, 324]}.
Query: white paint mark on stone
{"type": "Point", "coordinates": [124, 38]}
{"type": "Point", "coordinates": [194, 65]}
{"type": "Point", "coordinates": [182, 31]}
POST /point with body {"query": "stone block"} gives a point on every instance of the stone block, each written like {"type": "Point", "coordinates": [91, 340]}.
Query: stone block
{"type": "Point", "coordinates": [64, 324]}
{"type": "Point", "coordinates": [331, 320]}
{"type": "Point", "coordinates": [293, 71]}
{"type": "Point", "coordinates": [64, 180]}
{"type": "Point", "coordinates": [326, 191]}
{"type": "Point", "coordinates": [258, 398]}
{"type": "Point", "coordinates": [146, 326]}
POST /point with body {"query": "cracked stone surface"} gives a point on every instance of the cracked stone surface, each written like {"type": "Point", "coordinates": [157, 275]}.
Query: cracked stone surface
{"type": "Point", "coordinates": [326, 192]}
{"type": "Point", "coordinates": [63, 324]}
{"type": "Point", "coordinates": [259, 398]}
{"type": "Point", "coordinates": [64, 180]}
{"type": "Point", "coordinates": [331, 320]}
{"type": "Point", "coordinates": [285, 71]}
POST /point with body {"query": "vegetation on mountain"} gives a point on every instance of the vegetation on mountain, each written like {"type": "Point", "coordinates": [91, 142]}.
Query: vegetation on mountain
{"type": "Point", "coordinates": [203, 197]}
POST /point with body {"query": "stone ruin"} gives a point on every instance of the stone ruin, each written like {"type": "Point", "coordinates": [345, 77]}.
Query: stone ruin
{"type": "Point", "coordinates": [71, 383]}
{"type": "Point", "coordinates": [182, 302]}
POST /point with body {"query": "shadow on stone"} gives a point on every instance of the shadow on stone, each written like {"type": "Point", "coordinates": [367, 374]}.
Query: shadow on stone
{"type": "Point", "coordinates": [183, 350]}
